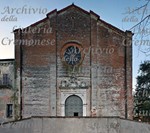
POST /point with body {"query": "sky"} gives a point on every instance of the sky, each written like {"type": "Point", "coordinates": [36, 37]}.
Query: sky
{"type": "Point", "coordinates": [115, 12]}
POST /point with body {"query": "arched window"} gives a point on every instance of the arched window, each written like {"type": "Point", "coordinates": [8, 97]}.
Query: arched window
{"type": "Point", "coordinates": [73, 106]}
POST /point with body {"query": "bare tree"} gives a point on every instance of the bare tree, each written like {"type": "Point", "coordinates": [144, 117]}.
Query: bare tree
{"type": "Point", "coordinates": [141, 30]}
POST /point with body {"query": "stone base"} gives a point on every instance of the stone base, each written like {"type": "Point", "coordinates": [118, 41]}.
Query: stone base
{"type": "Point", "coordinates": [74, 125]}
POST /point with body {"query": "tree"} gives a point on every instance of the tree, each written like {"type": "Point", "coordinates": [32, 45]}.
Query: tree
{"type": "Point", "coordinates": [141, 28]}
{"type": "Point", "coordinates": [142, 95]}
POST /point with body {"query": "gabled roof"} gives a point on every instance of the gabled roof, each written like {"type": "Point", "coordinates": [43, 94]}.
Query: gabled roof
{"type": "Point", "coordinates": [73, 6]}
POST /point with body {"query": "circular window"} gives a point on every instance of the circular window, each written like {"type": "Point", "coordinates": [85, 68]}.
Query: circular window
{"type": "Point", "coordinates": [71, 54]}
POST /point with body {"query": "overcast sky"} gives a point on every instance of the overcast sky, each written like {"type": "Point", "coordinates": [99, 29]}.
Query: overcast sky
{"type": "Point", "coordinates": [115, 12]}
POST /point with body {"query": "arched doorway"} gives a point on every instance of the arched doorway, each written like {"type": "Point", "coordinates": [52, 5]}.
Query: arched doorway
{"type": "Point", "coordinates": [73, 106]}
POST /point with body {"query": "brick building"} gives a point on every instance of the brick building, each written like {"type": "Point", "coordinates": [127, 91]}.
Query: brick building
{"type": "Point", "coordinates": [6, 89]}
{"type": "Point", "coordinates": [72, 63]}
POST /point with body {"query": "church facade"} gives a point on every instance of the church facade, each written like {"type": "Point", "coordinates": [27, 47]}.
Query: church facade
{"type": "Point", "coordinates": [73, 64]}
